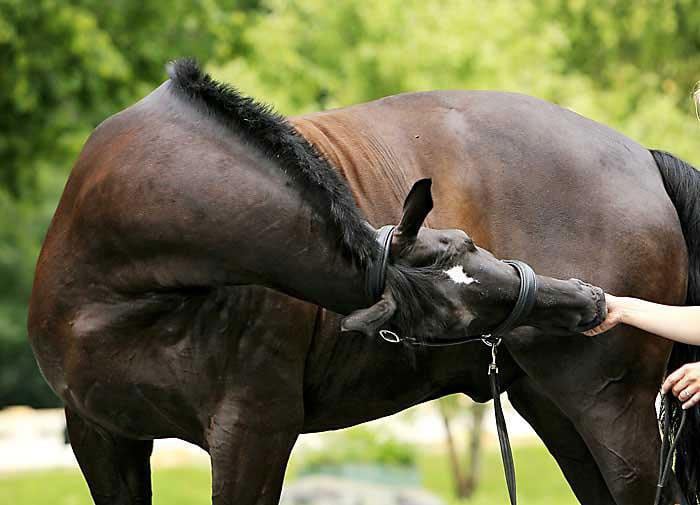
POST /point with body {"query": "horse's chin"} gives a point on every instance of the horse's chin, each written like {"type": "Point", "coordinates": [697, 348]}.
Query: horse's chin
{"type": "Point", "coordinates": [589, 325]}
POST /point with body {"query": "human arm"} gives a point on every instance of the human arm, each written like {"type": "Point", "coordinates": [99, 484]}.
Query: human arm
{"type": "Point", "coordinates": [681, 324]}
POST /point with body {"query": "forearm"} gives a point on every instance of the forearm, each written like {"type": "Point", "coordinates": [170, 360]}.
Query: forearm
{"type": "Point", "coordinates": [681, 324]}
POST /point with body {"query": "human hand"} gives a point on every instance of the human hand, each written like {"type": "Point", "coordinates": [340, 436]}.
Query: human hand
{"type": "Point", "coordinates": [613, 318]}
{"type": "Point", "coordinates": [684, 383]}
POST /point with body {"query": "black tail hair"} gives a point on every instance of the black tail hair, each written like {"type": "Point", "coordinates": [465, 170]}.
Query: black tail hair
{"type": "Point", "coordinates": [682, 183]}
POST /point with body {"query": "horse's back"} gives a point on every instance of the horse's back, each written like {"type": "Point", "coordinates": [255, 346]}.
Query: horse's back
{"type": "Point", "coordinates": [525, 177]}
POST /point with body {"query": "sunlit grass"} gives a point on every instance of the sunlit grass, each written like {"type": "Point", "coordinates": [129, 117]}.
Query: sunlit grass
{"type": "Point", "coordinates": [539, 480]}
{"type": "Point", "coordinates": [539, 483]}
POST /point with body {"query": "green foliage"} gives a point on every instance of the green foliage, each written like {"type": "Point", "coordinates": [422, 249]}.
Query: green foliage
{"type": "Point", "coordinates": [67, 65]}
{"type": "Point", "coordinates": [22, 227]}
{"type": "Point", "coordinates": [360, 446]}
{"type": "Point", "coordinates": [359, 51]}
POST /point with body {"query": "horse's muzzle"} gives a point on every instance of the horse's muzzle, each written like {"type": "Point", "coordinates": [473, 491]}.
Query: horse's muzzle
{"type": "Point", "coordinates": [601, 309]}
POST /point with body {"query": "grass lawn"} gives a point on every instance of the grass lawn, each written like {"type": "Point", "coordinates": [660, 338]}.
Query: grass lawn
{"type": "Point", "coordinates": [539, 483]}
{"type": "Point", "coordinates": [539, 480]}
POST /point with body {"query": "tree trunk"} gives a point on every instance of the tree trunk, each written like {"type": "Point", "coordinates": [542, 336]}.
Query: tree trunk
{"type": "Point", "coordinates": [474, 450]}
{"type": "Point", "coordinates": [458, 476]}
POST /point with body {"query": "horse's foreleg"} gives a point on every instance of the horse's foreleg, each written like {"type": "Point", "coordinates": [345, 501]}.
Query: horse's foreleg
{"type": "Point", "coordinates": [117, 470]}
{"type": "Point", "coordinates": [249, 452]}
{"type": "Point", "coordinates": [563, 441]}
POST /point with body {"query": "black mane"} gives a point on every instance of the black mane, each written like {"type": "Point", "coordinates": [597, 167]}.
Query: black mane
{"type": "Point", "coordinates": [319, 182]}
{"type": "Point", "coordinates": [272, 134]}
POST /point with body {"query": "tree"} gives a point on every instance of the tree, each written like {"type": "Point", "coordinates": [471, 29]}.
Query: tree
{"type": "Point", "coordinates": [465, 474]}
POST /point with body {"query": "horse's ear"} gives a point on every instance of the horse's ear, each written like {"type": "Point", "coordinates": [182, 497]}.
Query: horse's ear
{"type": "Point", "coordinates": [416, 207]}
{"type": "Point", "coordinates": [370, 320]}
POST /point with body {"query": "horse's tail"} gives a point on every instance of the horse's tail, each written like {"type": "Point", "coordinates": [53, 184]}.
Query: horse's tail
{"type": "Point", "coordinates": [682, 183]}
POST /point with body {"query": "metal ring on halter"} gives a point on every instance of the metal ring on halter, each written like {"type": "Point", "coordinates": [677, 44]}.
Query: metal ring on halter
{"type": "Point", "coordinates": [491, 341]}
{"type": "Point", "coordinates": [389, 336]}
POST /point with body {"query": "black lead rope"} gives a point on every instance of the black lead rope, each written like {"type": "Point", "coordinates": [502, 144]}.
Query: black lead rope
{"type": "Point", "coordinates": [501, 427]}
{"type": "Point", "coordinates": [666, 458]}
{"type": "Point", "coordinates": [523, 306]}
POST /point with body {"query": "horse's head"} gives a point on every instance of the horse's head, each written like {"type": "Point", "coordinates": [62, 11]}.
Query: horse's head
{"type": "Point", "coordinates": [441, 286]}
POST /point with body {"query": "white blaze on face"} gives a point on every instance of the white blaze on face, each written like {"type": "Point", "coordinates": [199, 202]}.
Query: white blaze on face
{"type": "Point", "coordinates": [457, 274]}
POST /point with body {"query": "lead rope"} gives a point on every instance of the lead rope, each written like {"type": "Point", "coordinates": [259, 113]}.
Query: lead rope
{"type": "Point", "coordinates": [375, 279]}
{"type": "Point", "coordinates": [666, 457]}
{"type": "Point", "coordinates": [501, 428]}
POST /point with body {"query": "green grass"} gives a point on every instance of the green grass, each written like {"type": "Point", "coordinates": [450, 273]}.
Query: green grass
{"type": "Point", "coordinates": [539, 483]}
{"type": "Point", "coordinates": [539, 480]}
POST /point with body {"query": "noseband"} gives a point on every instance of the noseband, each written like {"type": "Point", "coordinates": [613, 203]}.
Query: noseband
{"type": "Point", "coordinates": [376, 278]}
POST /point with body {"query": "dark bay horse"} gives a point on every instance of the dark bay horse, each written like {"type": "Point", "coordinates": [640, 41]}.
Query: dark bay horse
{"type": "Point", "coordinates": [161, 305]}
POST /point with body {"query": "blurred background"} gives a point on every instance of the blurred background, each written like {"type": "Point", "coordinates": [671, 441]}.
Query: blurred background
{"type": "Point", "coordinates": [67, 65]}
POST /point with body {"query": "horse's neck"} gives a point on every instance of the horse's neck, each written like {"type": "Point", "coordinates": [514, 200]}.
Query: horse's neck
{"type": "Point", "coordinates": [293, 252]}
{"type": "Point", "coordinates": [344, 372]}
{"type": "Point", "coordinates": [371, 167]}
{"type": "Point", "coordinates": [247, 223]}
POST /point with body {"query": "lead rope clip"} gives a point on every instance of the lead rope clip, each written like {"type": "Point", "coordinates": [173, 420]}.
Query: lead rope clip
{"type": "Point", "coordinates": [493, 344]}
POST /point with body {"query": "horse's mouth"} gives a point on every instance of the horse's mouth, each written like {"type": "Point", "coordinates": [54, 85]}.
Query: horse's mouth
{"type": "Point", "coordinates": [600, 314]}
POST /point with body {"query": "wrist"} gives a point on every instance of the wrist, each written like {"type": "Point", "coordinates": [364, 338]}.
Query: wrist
{"type": "Point", "coordinates": [627, 308]}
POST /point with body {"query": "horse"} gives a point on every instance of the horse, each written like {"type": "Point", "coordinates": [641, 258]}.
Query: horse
{"type": "Point", "coordinates": [204, 277]}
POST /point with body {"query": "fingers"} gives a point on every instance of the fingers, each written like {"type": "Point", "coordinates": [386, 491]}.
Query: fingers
{"type": "Point", "coordinates": [610, 299]}
{"type": "Point", "coordinates": [610, 322]}
{"type": "Point", "coordinates": [684, 383]}
{"type": "Point", "coordinates": [601, 328]}
{"type": "Point", "coordinates": [694, 400]}
{"type": "Point", "coordinates": [686, 393]}
{"type": "Point", "coordinates": [672, 379]}
{"type": "Point", "coordinates": [681, 384]}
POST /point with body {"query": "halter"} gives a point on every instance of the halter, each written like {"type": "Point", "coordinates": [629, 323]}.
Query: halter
{"type": "Point", "coordinates": [375, 280]}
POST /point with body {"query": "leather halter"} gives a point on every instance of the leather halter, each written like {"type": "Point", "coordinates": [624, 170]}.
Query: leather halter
{"type": "Point", "coordinates": [376, 278]}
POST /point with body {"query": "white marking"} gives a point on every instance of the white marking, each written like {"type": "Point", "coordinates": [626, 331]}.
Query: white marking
{"type": "Point", "coordinates": [456, 273]}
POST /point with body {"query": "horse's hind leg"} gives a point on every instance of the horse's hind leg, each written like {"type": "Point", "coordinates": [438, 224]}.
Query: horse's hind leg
{"type": "Point", "coordinates": [624, 439]}
{"type": "Point", "coordinates": [117, 470]}
{"type": "Point", "coordinates": [563, 441]}
{"type": "Point", "coordinates": [607, 390]}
